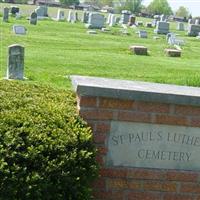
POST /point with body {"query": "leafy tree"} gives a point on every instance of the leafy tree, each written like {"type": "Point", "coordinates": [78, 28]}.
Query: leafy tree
{"type": "Point", "coordinates": [134, 6]}
{"type": "Point", "coordinates": [137, 6]}
{"type": "Point", "coordinates": [182, 12]}
{"type": "Point", "coordinates": [106, 2]}
{"type": "Point", "coordinates": [158, 7]}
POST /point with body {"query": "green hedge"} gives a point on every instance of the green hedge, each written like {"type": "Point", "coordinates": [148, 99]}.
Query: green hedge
{"type": "Point", "coordinates": [46, 150]}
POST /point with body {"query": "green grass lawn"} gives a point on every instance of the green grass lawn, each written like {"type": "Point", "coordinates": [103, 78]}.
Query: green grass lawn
{"type": "Point", "coordinates": [54, 50]}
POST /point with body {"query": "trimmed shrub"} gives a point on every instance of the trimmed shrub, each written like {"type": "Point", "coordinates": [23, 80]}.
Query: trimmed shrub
{"type": "Point", "coordinates": [46, 150]}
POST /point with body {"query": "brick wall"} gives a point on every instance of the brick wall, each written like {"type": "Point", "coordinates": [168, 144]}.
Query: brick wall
{"type": "Point", "coordinates": [119, 183]}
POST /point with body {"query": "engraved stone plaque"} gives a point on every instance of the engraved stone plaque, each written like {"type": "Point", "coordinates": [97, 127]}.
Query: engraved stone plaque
{"type": "Point", "coordinates": [148, 145]}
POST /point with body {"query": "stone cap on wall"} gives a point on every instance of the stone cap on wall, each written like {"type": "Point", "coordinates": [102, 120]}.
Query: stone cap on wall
{"type": "Point", "coordinates": [135, 90]}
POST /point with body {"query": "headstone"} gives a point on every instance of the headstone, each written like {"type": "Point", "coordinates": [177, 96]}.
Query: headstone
{"type": "Point", "coordinates": [14, 10]}
{"type": "Point", "coordinates": [139, 23]}
{"type": "Point", "coordinates": [138, 50]}
{"type": "Point", "coordinates": [105, 30]}
{"type": "Point", "coordinates": [154, 22]}
{"type": "Point", "coordinates": [85, 17]}
{"type": "Point", "coordinates": [117, 20]}
{"type": "Point", "coordinates": [156, 37]}
{"type": "Point", "coordinates": [19, 29]}
{"type": "Point", "coordinates": [112, 20]}
{"type": "Point", "coordinates": [142, 34]}
{"type": "Point", "coordinates": [5, 14]}
{"type": "Point", "coordinates": [76, 16]}
{"type": "Point", "coordinates": [15, 68]}
{"type": "Point", "coordinates": [91, 32]}
{"type": "Point", "coordinates": [108, 18]}
{"type": "Point", "coordinates": [197, 22]}
{"type": "Point", "coordinates": [156, 17]}
{"type": "Point", "coordinates": [180, 26]}
{"type": "Point", "coordinates": [149, 25]}
{"type": "Point", "coordinates": [162, 18]}
{"type": "Point", "coordinates": [131, 20]}
{"type": "Point", "coordinates": [190, 21]}
{"type": "Point", "coordinates": [172, 40]}
{"type": "Point", "coordinates": [71, 16]}
{"type": "Point", "coordinates": [42, 11]}
{"type": "Point", "coordinates": [124, 18]}
{"type": "Point", "coordinates": [193, 30]}
{"type": "Point", "coordinates": [60, 15]}
{"type": "Point", "coordinates": [95, 20]}
{"type": "Point", "coordinates": [162, 28]}
{"type": "Point", "coordinates": [33, 18]}
{"type": "Point", "coordinates": [173, 52]}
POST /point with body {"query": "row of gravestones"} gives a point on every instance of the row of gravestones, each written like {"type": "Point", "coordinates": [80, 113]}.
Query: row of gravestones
{"type": "Point", "coordinates": [96, 20]}
{"type": "Point", "coordinates": [141, 50]}
{"type": "Point", "coordinates": [15, 68]}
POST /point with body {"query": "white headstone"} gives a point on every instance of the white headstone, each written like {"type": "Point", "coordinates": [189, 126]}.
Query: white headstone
{"type": "Point", "coordinates": [197, 22]}
{"type": "Point", "coordinates": [71, 16]}
{"type": "Point", "coordinates": [60, 15]}
{"type": "Point", "coordinates": [112, 20]}
{"type": "Point", "coordinates": [108, 18]}
{"type": "Point", "coordinates": [180, 26]}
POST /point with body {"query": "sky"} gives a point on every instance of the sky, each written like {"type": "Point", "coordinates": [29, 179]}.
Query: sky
{"type": "Point", "coordinates": [192, 5]}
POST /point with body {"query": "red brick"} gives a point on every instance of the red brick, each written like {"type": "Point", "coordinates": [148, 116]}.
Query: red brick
{"type": "Point", "coordinates": [100, 184]}
{"type": "Point", "coordinates": [99, 138]}
{"type": "Point", "coordinates": [190, 188]}
{"type": "Point", "coordinates": [171, 119]}
{"type": "Point", "coordinates": [87, 101]}
{"type": "Point", "coordinates": [144, 196]}
{"type": "Point", "coordinates": [103, 127]}
{"type": "Point", "coordinates": [181, 176]}
{"type": "Point", "coordinates": [96, 114]}
{"type": "Point", "coordinates": [102, 150]}
{"type": "Point", "coordinates": [195, 121]}
{"type": "Point", "coordinates": [187, 110]}
{"type": "Point", "coordinates": [123, 184]}
{"type": "Point", "coordinates": [197, 198]}
{"type": "Point", "coordinates": [153, 107]}
{"type": "Point", "coordinates": [134, 116]}
{"type": "Point", "coordinates": [178, 197]}
{"type": "Point", "coordinates": [100, 160]}
{"type": "Point", "coordinates": [160, 186]}
{"type": "Point", "coordinates": [113, 173]}
{"type": "Point", "coordinates": [145, 174]}
{"type": "Point", "coordinates": [115, 103]}
{"type": "Point", "coordinates": [108, 195]}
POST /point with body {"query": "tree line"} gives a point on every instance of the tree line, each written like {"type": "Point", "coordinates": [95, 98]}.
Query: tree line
{"type": "Point", "coordinates": [156, 7]}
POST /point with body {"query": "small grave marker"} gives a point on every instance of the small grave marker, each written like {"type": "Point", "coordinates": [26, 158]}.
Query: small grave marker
{"type": "Point", "coordinates": [138, 50]}
{"type": "Point", "coordinates": [142, 34]}
{"type": "Point", "coordinates": [173, 52]}
{"type": "Point", "coordinates": [19, 29]}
